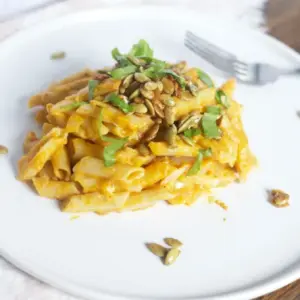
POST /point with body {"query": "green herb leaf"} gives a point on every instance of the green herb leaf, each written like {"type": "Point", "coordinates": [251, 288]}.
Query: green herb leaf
{"type": "Point", "coordinates": [72, 105]}
{"type": "Point", "coordinates": [178, 78]}
{"type": "Point", "coordinates": [120, 58]}
{"type": "Point", "coordinates": [118, 102]}
{"type": "Point", "coordinates": [197, 164]}
{"type": "Point", "coordinates": [215, 110]}
{"type": "Point", "coordinates": [140, 49]}
{"type": "Point", "coordinates": [222, 98]}
{"type": "Point", "coordinates": [189, 133]}
{"type": "Point", "coordinates": [209, 126]}
{"type": "Point", "coordinates": [115, 145]}
{"type": "Point", "coordinates": [92, 85]}
{"type": "Point", "coordinates": [205, 78]}
{"type": "Point", "coordinates": [120, 73]}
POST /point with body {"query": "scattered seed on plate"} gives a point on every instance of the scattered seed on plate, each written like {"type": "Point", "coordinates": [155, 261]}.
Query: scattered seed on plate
{"type": "Point", "coordinates": [58, 55]}
{"type": "Point", "coordinates": [279, 198]}
{"type": "Point", "coordinates": [174, 243]}
{"type": "Point", "coordinates": [157, 249]}
{"type": "Point", "coordinates": [171, 256]}
{"type": "Point", "coordinates": [3, 150]}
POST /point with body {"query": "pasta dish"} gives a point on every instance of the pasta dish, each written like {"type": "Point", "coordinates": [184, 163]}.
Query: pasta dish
{"type": "Point", "coordinates": [125, 137]}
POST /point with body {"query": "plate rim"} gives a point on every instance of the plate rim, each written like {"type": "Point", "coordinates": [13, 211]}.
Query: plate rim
{"type": "Point", "coordinates": [276, 281]}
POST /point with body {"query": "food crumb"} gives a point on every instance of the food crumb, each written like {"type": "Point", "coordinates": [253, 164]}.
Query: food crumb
{"type": "Point", "coordinates": [211, 199]}
{"type": "Point", "coordinates": [72, 218]}
{"type": "Point", "coordinates": [224, 219]}
{"type": "Point", "coordinates": [279, 198]}
{"type": "Point", "coordinates": [3, 149]}
{"type": "Point", "coordinates": [221, 204]}
{"type": "Point", "coordinates": [58, 55]}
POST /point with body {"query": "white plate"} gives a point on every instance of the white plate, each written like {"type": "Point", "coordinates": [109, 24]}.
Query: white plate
{"type": "Point", "coordinates": [255, 251]}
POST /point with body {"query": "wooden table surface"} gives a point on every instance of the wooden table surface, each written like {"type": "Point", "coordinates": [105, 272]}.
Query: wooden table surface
{"type": "Point", "coordinates": [283, 22]}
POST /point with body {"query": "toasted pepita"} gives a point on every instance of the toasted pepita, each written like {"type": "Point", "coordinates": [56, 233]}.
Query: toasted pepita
{"type": "Point", "coordinates": [191, 121]}
{"type": "Point", "coordinates": [160, 86]}
{"type": "Point", "coordinates": [151, 133]}
{"type": "Point", "coordinates": [172, 256]}
{"type": "Point", "coordinates": [147, 94]}
{"type": "Point", "coordinates": [140, 77]}
{"type": "Point", "coordinates": [150, 86]}
{"type": "Point", "coordinates": [187, 96]}
{"type": "Point", "coordinates": [170, 135]}
{"type": "Point", "coordinates": [136, 61]}
{"type": "Point", "coordinates": [134, 94]}
{"type": "Point", "coordinates": [169, 101]}
{"type": "Point", "coordinates": [169, 113]}
{"type": "Point", "coordinates": [127, 81]}
{"type": "Point", "coordinates": [157, 249]}
{"type": "Point", "coordinates": [174, 243]}
{"type": "Point", "coordinates": [144, 150]}
{"type": "Point", "coordinates": [3, 149]}
{"type": "Point", "coordinates": [150, 107]}
{"type": "Point", "coordinates": [168, 86]}
{"type": "Point", "coordinates": [187, 140]}
{"type": "Point", "coordinates": [139, 108]}
{"type": "Point", "coordinates": [192, 88]}
{"type": "Point", "coordinates": [159, 110]}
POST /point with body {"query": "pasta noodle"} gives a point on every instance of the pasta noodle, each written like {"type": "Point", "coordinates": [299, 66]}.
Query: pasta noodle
{"type": "Point", "coordinates": [125, 138]}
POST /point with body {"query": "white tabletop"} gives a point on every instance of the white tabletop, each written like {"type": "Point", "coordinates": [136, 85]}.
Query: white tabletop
{"type": "Point", "coordinates": [19, 14]}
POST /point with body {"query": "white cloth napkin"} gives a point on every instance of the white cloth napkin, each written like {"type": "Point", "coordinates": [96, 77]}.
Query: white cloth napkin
{"type": "Point", "coordinates": [14, 284]}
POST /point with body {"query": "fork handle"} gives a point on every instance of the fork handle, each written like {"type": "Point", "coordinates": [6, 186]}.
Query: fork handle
{"type": "Point", "coordinates": [291, 72]}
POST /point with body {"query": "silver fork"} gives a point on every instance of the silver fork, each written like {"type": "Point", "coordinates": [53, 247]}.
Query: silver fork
{"type": "Point", "coordinates": [251, 73]}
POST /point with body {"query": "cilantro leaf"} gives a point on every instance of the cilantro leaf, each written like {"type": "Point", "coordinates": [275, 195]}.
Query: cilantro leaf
{"type": "Point", "coordinates": [189, 133]}
{"type": "Point", "coordinates": [120, 73]}
{"type": "Point", "coordinates": [115, 145]}
{"type": "Point", "coordinates": [209, 126]}
{"type": "Point", "coordinates": [72, 105]}
{"type": "Point", "coordinates": [178, 78]}
{"type": "Point", "coordinates": [197, 164]}
{"type": "Point", "coordinates": [91, 86]}
{"type": "Point", "coordinates": [222, 98]}
{"type": "Point", "coordinates": [140, 49]}
{"type": "Point", "coordinates": [215, 110]}
{"type": "Point", "coordinates": [205, 78]}
{"type": "Point", "coordinates": [120, 58]}
{"type": "Point", "coordinates": [118, 102]}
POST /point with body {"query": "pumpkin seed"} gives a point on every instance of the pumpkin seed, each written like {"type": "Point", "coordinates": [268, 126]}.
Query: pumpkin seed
{"type": "Point", "coordinates": [150, 86]}
{"type": "Point", "coordinates": [169, 113]}
{"type": "Point", "coordinates": [160, 86]}
{"type": "Point", "coordinates": [171, 256]}
{"type": "Point", "coordinates": [158, 121]}
{"type": "Point", "coordinates": [134, 94]}
{"type": "Point", "coordinates": [157, 249]}
{"type": "Point", "coordinates": [187, 140]}
{"type": "Point", "coordinates": [159, 110]}
{"type": "Point", "coordinates": [58, 55]}
{"type": "Point", "coordinates": [174, 243]}
{"type": "Point", "coordinates": [139, 108]}
{"type": "Point", "coordinates": [191, 121]}
{"type": "Point", "coordinates": [3, 150]}
{"type": "Point", "coordinates": [144, 150]}
{"type": "Point", "coordinates": [127, 81]}
{"type": "Point", "coordinates": [147, 94]}
{"type": "Point", "coordinates": [122, 90]}
{"type": "Point", "coordinates": [135, 60]}
{"type": "Point", "coordinates": [187, 96]}
{"type": "Point", "coordinates": [132, 87]}
{"type": "Point", "coordinates": [168, 86]}
{"type": "Point", "coordinates": [192, 88]}
{"type": "Point", "coordinates": [138, 100]}
{"type": "Point", "coordinates": [151, 133]}
{"type": "Point", "coordinates": [180, 67]}
{"type": "Point", "coordinates": [150, 107]}
{"type": "Point", "coordinates": [140, 77]}
{"type": "Point", "coordinates": [169, 102]}
{"type": "Point", "coordinates": [170, 135]}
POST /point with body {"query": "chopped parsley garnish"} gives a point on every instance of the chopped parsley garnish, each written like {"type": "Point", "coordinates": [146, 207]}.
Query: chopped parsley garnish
{"type": "Point", "coordinates": [109, 152]}
{"type": "Point", "coordinates": [205, 78]}
{"type": "Point", "coordinates": [120, 73]}
{"type": "Point", "coordinates": [209, 126]}
{"type": "Point", "coordinates": [197, 164]}
{"type": "Point", "coordinates": [118, 102]}
{"type": "Point", "coordinates": [222, 98]}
